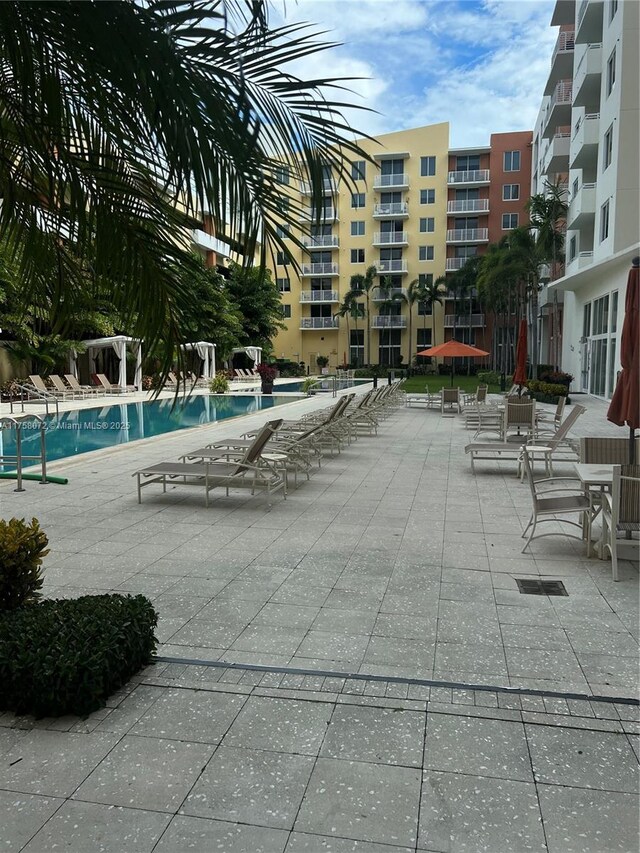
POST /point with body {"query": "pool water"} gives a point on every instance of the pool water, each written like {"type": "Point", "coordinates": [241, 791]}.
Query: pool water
{"type": "Point", "coordinates": [295, 385]}
{"type": "Point", "coordinates": [72, 433]}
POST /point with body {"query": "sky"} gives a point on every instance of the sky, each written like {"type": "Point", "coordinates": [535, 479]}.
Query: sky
{"type": "Point", "coordinates": [479, 64]}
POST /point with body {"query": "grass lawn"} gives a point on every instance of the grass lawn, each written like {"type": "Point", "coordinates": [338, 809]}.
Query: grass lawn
{"type": "Point", "coordinates": [416, 384]}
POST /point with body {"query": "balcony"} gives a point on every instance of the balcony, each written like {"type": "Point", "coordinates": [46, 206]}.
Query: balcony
{"type": "Point", "coordinates": [453, 294]}
{"type": "Point", "coordinates": [564, 12]}
{"type": "Point", "coordinates": [381, 294]}
{"type": "Point", "coordinates": [584, 145]}
{"type": "Point", "coordinates": [589, 29]}
{"type": "Point", "coordinates": [326, 241]}
{"type": "Point", "coordinates": [390, 238]}
{"type": "Point", "coordinates": [329, 214]}
{"type": "Point", "coordinates": [475, 177]}
{"type": "Point", "coordinates": [468, 235]}
{"type": "Point", "coordinates": [472, 205]}
{"type": "Point", "coordinates": [319, 296]}
{"type": "Point", "coordinates": [561, 60]}
{"type": "Point", "coordinates": [319, 323]}
{"type": "Point", "coordinates": [453, 264]}
{"type": "Point", "coordinates": [397, 267]}
{"type": "Point", "coordinates": [209, 243]}
{"type": "Point", "coordinates": [391, 182]}
{"type": "Point", "coordinates": [556, 157]}
{"type": "Point", "coordinates": [581, 260]}
{"type": "Point", "coordinates": [463, 320]}
{"type": "Point", "coordinates": [582, 209]}
{"type": "Point", "coordinates": [328, 187]}
{"type": "Point", "coordinates": [559, 108]}
{"type": "Point", "coordinates": [396, 210]}
{"type": "Point", "coordinates": [385, 321]}
{"type": "Point", "coordinates": [588, 78]}
{"type": "Point", "coordinates": [320, 269]}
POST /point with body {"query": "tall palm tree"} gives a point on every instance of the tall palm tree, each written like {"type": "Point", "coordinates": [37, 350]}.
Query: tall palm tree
{"type": "Point", "coordinates": [412, 295]}
{"type": "Point", "coordinates": [350, 308]}
{"type": "Point", "coordinates": [121, 121]}
{"type": "Point", "coordinates": [548, 215]}
{"type": "Point", "coordinates": [431, 294]}
{"type": "Point", "coordinates": [364, 284]}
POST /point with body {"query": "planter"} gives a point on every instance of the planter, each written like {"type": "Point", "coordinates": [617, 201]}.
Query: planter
{"type": "Point", "coordinates": [267, 387]}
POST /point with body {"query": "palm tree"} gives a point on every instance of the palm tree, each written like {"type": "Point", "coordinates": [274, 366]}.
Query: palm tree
{"type": "Point", "coordinates": [412, 295]}
{"type": "Point", "coordinates": [364, 284]}
{"type": "Point", "coordinates": [431, 293]}
{"type": "Point", "coordinates": [350, 308]}
{"type": "Point", "coordinates": [122, 121]}
{"type": "Point", "coordinates": [548, 215]}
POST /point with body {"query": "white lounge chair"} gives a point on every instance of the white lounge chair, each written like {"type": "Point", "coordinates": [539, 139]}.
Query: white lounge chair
{"type": "Point", "coordinates": [87, 390]}
{"type": "Point", "coordinates": [110, 388]}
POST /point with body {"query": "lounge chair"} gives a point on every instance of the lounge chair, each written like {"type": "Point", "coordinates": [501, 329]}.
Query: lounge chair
{"type": "Point", "coordinates": [552, 501]}
{"type": "Point", "coordinates": [252, 471]}
{"type": "Point", "coordinates": [63, 390]}
{"type": "Point", "coordinates": [41, 387]}
{"type": "Point", "coordinates": [87, 390]}
{"type": "Point", "coordinates": [546, 449]}
{"type": "Point", "coordinates": [110, 388]}
{"type": "Point", "coordinates": [621, 512]}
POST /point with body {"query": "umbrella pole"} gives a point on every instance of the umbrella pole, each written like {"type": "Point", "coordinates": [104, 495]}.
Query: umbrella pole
{"type": "Point", "coordinates": [632, 446]}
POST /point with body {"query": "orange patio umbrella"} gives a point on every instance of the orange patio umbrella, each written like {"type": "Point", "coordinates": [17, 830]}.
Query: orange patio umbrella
{"type": "Point", "coordinates": [520, 375]}
{"type": "Point", "coordinates": [453, 349]}
{"type": "Point", "coordinates": [625, 403]}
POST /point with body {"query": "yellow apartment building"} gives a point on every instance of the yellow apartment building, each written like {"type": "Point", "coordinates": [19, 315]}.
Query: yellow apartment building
{"type": "Point", "coordinates": [393, 216]}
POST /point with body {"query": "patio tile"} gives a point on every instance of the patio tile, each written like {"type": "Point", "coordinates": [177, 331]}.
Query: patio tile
{"type": "Point", "coordinates": [471, 657]}
{"type": "Point", "coordinates": [269, 638]}
{"type": "Point", "coordinates": [333, 646]}
{"type": "Point", "coordinates": [397, 650]}
{"type": "Point", "coordinates": [474, 813]}
{"type": "Point", "coordinates": [580, 821]}
{"type": "Point", "coordinates": [473, 745]}
{"type": "Point", "coordinates": [146, 773]}
{"type": "Point", "coordinates": [582, 758]}
{"type": "Point", "coordinates": [611, 669]}
{"type": "Point", "coordinates": [302, 842]}
{"type": "Point", "coordinates": [251, 786]}
{"type": "Point", "coordinates": [344, 621]}
{"type": "Point", "coordinates": [536, 637]}
{"type": "Point", "coordinates": [407, 627]}
{"type": "Point", "coordinates": [286, 615]}
{"type": "Point", "coordinates": [199, 834]}
{"type": "Point", "coordinates": [22, 815]}
{"type": "Point", "coordinates": [207, 633]}
{"type": "Point", "coordinates": [190, 715]}
{"type": "Point", "coordinates": [372, 803]}
{"type": "Point", "coordinates": [78, 827]}
{"type": "Point", "coordinates": [542, 663]}
{"type": "Point", "coordinates": [379, 735]}
{"type": "Point", "coordinates": [282, 725]}
{"type": "Point", "coordinates": [52, 763]}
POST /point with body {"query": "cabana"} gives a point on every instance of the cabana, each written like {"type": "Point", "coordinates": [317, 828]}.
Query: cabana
{"type": "Point", "coordinates": [254, 353]}
{"type": "Point", "coordinates": [207, 352]}
{"type": "Point", "coordinates": [119, 344]}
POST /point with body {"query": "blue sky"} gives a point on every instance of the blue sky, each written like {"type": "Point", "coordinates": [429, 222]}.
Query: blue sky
{"type": "Point", "coordinates": [479, 64]}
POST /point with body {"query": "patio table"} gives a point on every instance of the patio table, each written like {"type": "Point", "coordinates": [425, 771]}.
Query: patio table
{"type": "Point", "coordinates": [596, 478]}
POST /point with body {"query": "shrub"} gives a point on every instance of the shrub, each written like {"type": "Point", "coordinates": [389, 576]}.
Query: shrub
{"type": "Point", "coordinates": [22, 547]}
{"type": "Point", "coordinates": [267, 373]}
{"type": "Point", "coordinates": [68, 656]}
{"type": "Point", "coordinates": [489, 377]}
{"type": "Point", "coordinates": [549, 390]}
{"type": "Point", "coordinates": [556, 377]}
{"type": "Point", "coordinates": [219, 384]}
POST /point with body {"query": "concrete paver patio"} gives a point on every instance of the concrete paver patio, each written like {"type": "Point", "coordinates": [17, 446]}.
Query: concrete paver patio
{"type": "Point", "coordinates": [394, 564]}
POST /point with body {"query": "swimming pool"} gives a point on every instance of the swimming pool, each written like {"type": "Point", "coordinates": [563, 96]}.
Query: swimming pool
{"type": "Point", "coordinates": [295, 385]}
{"type": "Point", "coordinates": [72, 433]}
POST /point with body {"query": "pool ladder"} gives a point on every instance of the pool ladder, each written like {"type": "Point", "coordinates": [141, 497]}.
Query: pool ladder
{"type": "Point", "coordinates": [34, 396]}
{"type": "Point", "coordinates": [18, 459]}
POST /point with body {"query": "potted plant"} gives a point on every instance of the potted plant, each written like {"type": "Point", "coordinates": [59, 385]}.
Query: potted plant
{"type": "Point", "coordinates": [219, 384]}
{"type": "Point", "coordinates": [322, 361]}
{"type": "Point", "coordinates": [267, 375]}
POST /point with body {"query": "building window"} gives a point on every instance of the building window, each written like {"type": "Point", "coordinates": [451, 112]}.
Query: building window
{"type": "Point", "coordinates": [356, 346]}
{"type": "Point", "coordinates": [358, 170]}
{"type": "Point", "coordinates": [357, 256]}
{"type": "Point", "coordinates": [573, 248]}
{"type": "Point", "coordinates": [613, 8]}
{"type": "Point", "coordinates": [427, 167]}
{"type": "Point", "coordinates": [511, 161]}
{"type": "Point", "coordinates": [282, 203]}
{"type": "Point", "coordinates": [425, 253]}
{"type": "Point", "coordinates": [284, 285]}
{"type": "Point", "coordinates": [425, 279]}
{"type": "Point", "coordinates": [423, 339]}
{"type": "Point", "coordinates": [611, 71]}
{"type": "Point", "coordinates": [604, 221]}
{"type": "Point", "coordinates": [427, 196]}
{"type": "Point", "coordinates": [607, 149]}
{"type": "Point", "coordinates": [357, 199]}
{"type": "Point", "coordinates": [282, 174]}
{"type": "Point", "coordinates": [427, 224]}
{"type": "Point", "coordinates": [509, 221]}
{"type": "Point", "coordinates": [357, 228]}
{"type": "Point", "coordinates": [282, 231]}
{"type": "Point", "coordinates": [286, 311]}
{"type": "Point", "coordinates": [283, 258]}
{"type": "Point", "coordinates": [510, 192]}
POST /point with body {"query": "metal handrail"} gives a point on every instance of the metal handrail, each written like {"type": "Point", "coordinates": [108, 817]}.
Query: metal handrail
{"type": "Point", "coordinates": [316, 387]}
{"type": "Point", "coordinates": [19, 457]}
{"type": "Point", "coordinates": [37, 395]}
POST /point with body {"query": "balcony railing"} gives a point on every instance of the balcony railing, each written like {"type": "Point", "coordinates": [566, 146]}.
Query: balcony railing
{"type": "Point", "coordinates": [468, 235]}
{"type": "Point", "coordinates": [474, 176]}
{"type": "Point", "coordinates": [328, 214]}
{"type": "Point", "coordinates": [588, 76]}
{"type": "Point", "coordinates": [328, 186]}
{"type": "Point", "coordinates": [320, 269]}
{"type": "Point", "coordinates": [399, 208]}
{"type": "Point", "coordinates": [319, 296]}
{"type": "Point", "coordinates": [566, 43]}
{"type": "Point", "coordinates": [559, 106]}
{"type": "Point", "coordinates": [379, 294]}
{"type": "Point", "coordinates": [383, 182]}
{"type": "Point", "coordinates": [319, 323]}
{"type": "Point", "coordinates": [457, 320]}
{"type": "Point", "coordinates": [391, 266]}
{"type": "Point", "coordinates": [390, 238]}
{"type": "Point", "coordinates": [385, 321]}
{"type": "Point", "coordinates": [472, 205]}
{"type": "Point", "coordinates": [453, 264]}
{"type": "Point", "coordinates": [326, 241]}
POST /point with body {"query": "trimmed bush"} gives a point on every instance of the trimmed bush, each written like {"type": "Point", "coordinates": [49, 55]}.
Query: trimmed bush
{"type": "Point", "coordinates": [22, 547]}
{"type": "Point", "coordinates": [551, 391]}
{"type": "Point", "coordinates": [68, 656]}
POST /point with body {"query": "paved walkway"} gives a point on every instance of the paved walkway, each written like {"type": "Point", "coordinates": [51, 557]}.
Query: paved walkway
{"type": "Point", "coordinates": [394, 564]}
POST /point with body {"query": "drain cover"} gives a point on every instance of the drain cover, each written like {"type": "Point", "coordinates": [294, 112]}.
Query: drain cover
{"type": "Point", "coordinates": [538, 587]}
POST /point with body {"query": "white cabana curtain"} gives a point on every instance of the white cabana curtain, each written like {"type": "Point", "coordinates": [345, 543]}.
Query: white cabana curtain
{"type": "Point", "coordinates": [254, 353]}
{"type": "Point", "coordinates": [207, 352]}
{"type": "Point", "coordinates": [120, 349]}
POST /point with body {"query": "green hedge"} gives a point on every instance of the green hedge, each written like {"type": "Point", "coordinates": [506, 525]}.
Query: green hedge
{"type": "Point", "coordinates": [68, 656]}
{"type": "Point", "coordinates": [547, 389]}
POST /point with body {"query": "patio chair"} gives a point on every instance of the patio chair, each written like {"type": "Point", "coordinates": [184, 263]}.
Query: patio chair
{"type": "Point", "coordinates": [621, 512]}
{"type": "Point", "coordinates": [450, 397]}
{"type": "Point", "coordinates": [111, 388]}
{"type": "Point", "coordinates": [552, 500]}
{"type": "Point", "coordinates": [87, 390]}
{"type": "Point", "coordinates": [41, 387]}
{"type": "Point", "coordinates": [520, 415]}
{"type": "Point", "coordinates": [62, 390]}
{"type": "Point", "coordinates": [477, 397]}
{"type": "Point", "coordinates": [252, 471]}
{"type": "Point", "coordinates": [602, 450]}
{"type": "Point", "coordinates": [543, 418]}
